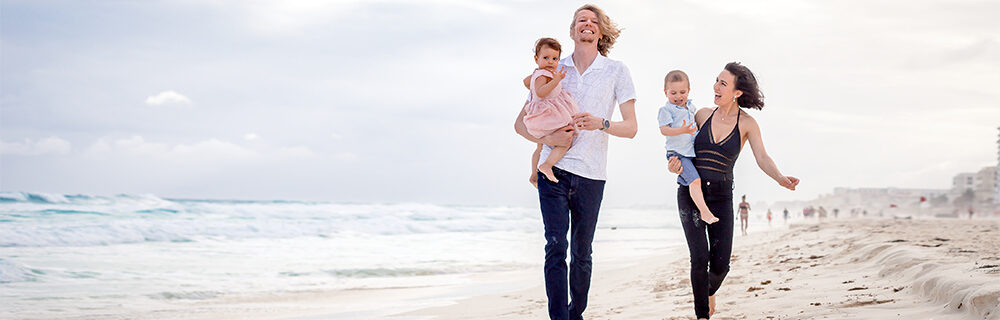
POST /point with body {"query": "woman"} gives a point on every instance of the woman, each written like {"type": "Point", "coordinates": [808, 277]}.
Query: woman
{"type": "Point", "coordinates": [710, 246]}
{"type": "Point", "coordinates": [744, 215]}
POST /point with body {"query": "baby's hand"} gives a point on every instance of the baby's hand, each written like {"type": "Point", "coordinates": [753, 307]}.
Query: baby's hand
{"type": "Point", "coordinates": [559, 74]}
{"type": "Point", "coordinates": [688, 128]}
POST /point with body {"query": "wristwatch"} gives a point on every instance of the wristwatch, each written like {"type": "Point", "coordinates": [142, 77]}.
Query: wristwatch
{"type": "Point", "coordinates": [607, 124]}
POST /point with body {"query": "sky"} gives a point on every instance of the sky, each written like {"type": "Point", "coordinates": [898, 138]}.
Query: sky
{"type": "Point", "coordinates": [414, 101]}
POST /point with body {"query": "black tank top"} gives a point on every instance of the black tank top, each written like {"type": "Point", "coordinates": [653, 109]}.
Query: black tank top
{"type": "Point", "coordinates": [715, 159]}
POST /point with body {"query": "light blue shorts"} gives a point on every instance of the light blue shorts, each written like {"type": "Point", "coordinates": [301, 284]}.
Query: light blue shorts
{"type": "Point", "coordinates": [689, 174]}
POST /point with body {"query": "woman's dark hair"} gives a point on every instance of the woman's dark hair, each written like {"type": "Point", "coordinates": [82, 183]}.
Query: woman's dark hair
{"type": "Point", "coordinates": [745, 81]}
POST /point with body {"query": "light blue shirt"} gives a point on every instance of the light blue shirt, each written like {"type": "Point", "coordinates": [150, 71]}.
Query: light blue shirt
{"type": "Point", "coordinates": [673, 115]}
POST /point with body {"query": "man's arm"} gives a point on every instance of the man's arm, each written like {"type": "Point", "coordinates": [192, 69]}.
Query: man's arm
{"type": "Point", "coordinates": [625, 128]}
{"type": "Point", "coordinates": [562, 137]}
{"type": "Point", "coordinates": [628, 127]}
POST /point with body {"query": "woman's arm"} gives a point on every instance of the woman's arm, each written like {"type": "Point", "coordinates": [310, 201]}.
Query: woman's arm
{"type": "Point", "coordinates": [764, 161]}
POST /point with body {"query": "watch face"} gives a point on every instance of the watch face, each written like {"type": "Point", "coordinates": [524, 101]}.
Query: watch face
{"type": "Point", "coordinates": [607, 124]}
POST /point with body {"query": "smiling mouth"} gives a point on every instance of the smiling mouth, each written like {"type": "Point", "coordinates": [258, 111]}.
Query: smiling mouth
{"type": "Point", "coordinates": [587, 32]}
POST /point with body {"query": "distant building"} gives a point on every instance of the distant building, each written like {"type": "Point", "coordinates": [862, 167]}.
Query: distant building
{"type": "Point", "coordinates": [986, 184]}
{"type": "Point", "coordinates": [963, 182]}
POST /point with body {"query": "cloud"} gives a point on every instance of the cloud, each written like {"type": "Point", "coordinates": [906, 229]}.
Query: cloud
{"type": "Point", "coordinates": [251, 136]}
{"type": "Point", "coordinates": [46, 146]}
{"type": "Point", "coordinates": [167, 97]}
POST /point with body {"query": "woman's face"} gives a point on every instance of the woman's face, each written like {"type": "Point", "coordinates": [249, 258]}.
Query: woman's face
{"type": "Point", "coordinates": [586, 27]}
{"type": "Point", "coordinates": [725, 88]}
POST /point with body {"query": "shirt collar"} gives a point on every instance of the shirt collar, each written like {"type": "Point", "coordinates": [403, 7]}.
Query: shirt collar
{"type": "Point", "coordinates": [687, 105]}
{"type": "Point", "coordinates": [598, 63]}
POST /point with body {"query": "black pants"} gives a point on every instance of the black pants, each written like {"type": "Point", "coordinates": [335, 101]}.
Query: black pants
{"type": "Point", "coordinates": [570, 206]}
{"type": "Point", "coordinates": [711, 245]}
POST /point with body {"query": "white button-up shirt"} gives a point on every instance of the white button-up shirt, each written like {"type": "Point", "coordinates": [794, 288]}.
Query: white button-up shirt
{"type": "Point", "coordinates": [604, 85]}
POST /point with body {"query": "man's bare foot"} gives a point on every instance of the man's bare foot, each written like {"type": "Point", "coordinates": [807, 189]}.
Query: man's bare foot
{"type": "Point", "coordinates": [546, 169]}
{"type": "Point", "coordinates": [709, 218]}
{"type": "Point", "coordinates": [711, 305]}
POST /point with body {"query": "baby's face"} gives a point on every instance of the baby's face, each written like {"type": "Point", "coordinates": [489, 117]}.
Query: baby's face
{"type": "Point", "coordinates": [677, 92]}
{"type": "Point", "coordinates": [547, 58]}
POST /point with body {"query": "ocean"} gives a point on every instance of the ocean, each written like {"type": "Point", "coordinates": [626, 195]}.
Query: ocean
{"type": "Point", "coordinates": [73, 255]}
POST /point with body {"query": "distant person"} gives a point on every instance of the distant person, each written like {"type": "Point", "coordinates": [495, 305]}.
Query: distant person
{"type": "Point", "coordinates": [768, 217]}
{"type": "Point", "coordinates": [822, 213]}
{"type": "Point", "coordinates": [599, 85]}
{"type": "Point", "coordinates": [835, 212]}
{"type": "Point", "coordinates": [744, 215]}
{"type": "Point", "coordinates": [785, 213]}
{"type": "Point", "coordinates": [971, 212]}
{"type": "Point", "coordinates": [676, 120]}
{"type": "Point", "coordinates": [716, 149]}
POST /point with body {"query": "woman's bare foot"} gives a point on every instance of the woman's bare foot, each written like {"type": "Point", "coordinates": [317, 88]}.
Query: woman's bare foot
{"type": "Point", "coordinates": [546, 169]}
{"type": "Point", "coordinates": [709, 218]}
{"type": "Point", "coordinates": [711, 304]}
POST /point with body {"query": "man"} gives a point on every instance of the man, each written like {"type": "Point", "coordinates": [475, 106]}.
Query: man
{"type": "Point", "coordinates": [572, 204]}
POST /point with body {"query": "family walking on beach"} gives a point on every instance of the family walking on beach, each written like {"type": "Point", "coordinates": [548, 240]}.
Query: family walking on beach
{"type": "Point", "coordinates": [568, 115]}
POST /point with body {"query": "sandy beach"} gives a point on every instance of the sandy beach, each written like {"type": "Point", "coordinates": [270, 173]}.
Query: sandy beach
{"type": "Point", "coordinates": [839, 269]}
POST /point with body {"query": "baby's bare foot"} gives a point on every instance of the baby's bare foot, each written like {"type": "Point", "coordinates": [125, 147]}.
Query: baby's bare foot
{"type": "Point", "coordinates": [546, 169]}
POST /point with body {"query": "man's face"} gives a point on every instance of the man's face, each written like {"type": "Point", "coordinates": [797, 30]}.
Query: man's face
{"type": "Point", "coordinates": [586, 27]}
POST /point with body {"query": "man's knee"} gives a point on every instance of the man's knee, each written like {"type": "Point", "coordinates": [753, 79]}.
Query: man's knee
{"type": "Point", "coordinates": [555, 246]}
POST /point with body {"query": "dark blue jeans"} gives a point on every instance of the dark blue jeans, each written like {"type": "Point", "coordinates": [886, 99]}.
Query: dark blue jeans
{"type": "Point", "coordinates": [710, 245]}
{"type": "Point", "coordinates": [568, 206]}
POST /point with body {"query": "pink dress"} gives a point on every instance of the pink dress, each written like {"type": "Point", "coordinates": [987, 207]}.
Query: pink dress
{"type": "Point", "coordinates": [546, 115]}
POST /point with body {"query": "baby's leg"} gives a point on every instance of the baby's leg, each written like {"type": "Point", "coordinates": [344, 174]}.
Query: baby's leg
{"type": "Point", "coordinates": [554, 156]}
{"type": "Point", "coordinates": [699, 201]}
{"type": "Point", "coordinates": [533, 178]}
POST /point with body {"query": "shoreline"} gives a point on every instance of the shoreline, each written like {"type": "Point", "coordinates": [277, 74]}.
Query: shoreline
{"type": "Point", "coordinates": [841, 269]}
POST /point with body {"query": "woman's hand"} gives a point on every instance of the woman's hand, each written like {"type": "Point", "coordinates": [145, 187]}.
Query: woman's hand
{"type": "Point", "coordinates": [674, 165]}
{"type": "Point", "coordinates": [788, 182]}
{"type": "Point", "coordinates": [587, 121]}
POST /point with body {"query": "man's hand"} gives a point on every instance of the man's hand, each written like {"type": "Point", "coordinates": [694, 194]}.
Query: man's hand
{"type": "Point", "coordinates": [587, 121]}
{"type": "Point", "coordinates": [674, 165]}
{"type": "Point", "coordinates": [560, 138]}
